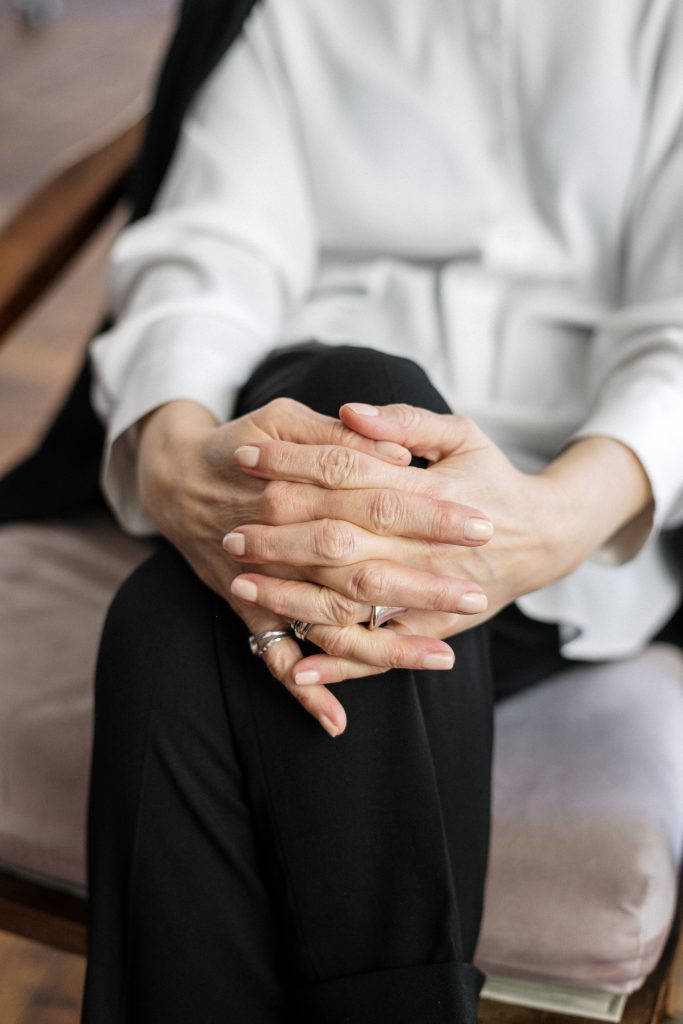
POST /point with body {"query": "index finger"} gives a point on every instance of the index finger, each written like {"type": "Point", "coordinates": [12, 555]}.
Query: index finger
{"type": "Point", "coordinates": [334, 467]}
{"type": "Point", "coordinates": [287, 419]}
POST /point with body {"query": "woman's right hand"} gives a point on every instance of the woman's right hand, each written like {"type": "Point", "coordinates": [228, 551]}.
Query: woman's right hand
{"type": "Point", "coordinates": [195, 494]}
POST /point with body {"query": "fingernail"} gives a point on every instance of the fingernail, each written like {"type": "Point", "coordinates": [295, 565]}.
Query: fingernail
{"type": "Point", "coordinates": [442, 660]}
{"type": "Point", "coordinates": [244, 589]}
{"type": "Point", "coordinates": [391, 450]}
{"type": "Point", "coordinates": [235, 543]}
{"type": "Point", "coordinates": [247, 456]}
{"type": "Point", "coordinates": [473, 602]}
{"type": "Point", "coordinates": [362, 409]}
{"type": "Point", "coordinates": [329, 725]}
{"type": "Point", "coordinates": [307, 678]}
{"type": "Point", "coordinates": [477, 529]}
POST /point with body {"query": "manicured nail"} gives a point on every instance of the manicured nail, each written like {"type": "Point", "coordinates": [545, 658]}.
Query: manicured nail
{"type": "Point", "coordinates": [362, 409]}
{"type": "Point", "coordinates": [307, 678]}
{"type": "Point", "coordinates": [329, 725]}
{"type": "Point", "coordinates": [244, 589]}
{"type": "Point", "coordinates": [473, 602]}
{"type": "Point", "coordinates": [247, 456]}
{"type": "Point", "coordinates": [438, 660]}
{"type": "Point", "coordinates": [391, 450]}
{"type": "Point", "coordinates": [235, 543]}
{"type": "Point", "coordinates": [477, 529]}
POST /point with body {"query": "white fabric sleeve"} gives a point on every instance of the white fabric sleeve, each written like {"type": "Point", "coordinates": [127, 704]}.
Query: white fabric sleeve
{"type": "Point", "coordinates": [636, 363]}
{"type": "Point", "coordinates": [200, 287]}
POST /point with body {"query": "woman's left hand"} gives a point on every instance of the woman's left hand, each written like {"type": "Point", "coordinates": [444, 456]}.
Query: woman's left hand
{"type": "Point", "coordinates": [363, 568]}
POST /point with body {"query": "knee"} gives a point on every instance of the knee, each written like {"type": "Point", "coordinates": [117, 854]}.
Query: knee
{"type": "Point", "coordinates": [348, 373]}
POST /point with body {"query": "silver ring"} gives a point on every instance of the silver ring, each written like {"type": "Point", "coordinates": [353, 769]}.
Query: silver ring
{"type": "Point", "coordinates": [301, 628]}
{"type": "Point", "coordinates": [260, 642]}
{"type": "Point", "coordinates": [382, 613]}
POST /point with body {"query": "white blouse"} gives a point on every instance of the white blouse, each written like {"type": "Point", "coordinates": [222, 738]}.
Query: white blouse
{"type": "Point", "coordinates": [491, 187]}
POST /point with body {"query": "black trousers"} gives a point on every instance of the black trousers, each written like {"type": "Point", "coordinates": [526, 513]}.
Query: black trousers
{"type": "Point", "coordinates": [245, 867]}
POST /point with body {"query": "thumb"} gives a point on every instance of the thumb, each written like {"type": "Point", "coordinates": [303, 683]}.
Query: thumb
{"type": "Point", "coordinates": [430, 435]}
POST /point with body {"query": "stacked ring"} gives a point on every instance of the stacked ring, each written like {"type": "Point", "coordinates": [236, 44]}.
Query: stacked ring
{"type": "Point", "coordinates": [260, 642]}
{"type": "Point", "coordinates": [301, 628]}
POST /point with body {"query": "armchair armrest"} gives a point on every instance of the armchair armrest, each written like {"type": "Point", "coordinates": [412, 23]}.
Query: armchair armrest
{"type": "Point", "coordinates": [50, 228]}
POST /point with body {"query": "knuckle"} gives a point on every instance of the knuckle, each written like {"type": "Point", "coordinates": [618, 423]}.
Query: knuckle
{"type": "Point", "coordinates": [367, 582]}
{"type": "Point", "coordinates": [339, 433]}
{"type": "Point", "coordinates": [439, 597]}
{"type": "Point", "coordinates": [275, 501]}
{"type": "Point", "coordinates": [385, 511]}
{"type": "Point", "coordinates": [471, 430]}
{"type": "Point", "coordinates": [282, 407]}
{"type": "Point", "coordinates": [338, 608]}
{"type": "Point", "coordinates": [277, 662]}
{"type": "Point", "coordinates": [335, 644]}
{"type": "Point", "coordinates": [336, 466]}
{"type": "Point", "coordinates": [332, 541]}
{"type": "Point", "coordinates": [408, 415]}
{"type": "Point", "coordinates": [444, 519]}
{"type": "Point", "coordinates": [395, 657]}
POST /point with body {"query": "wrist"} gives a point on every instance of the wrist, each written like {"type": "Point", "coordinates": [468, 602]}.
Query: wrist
{"type": "Point", "coordinates": [597, 491]}
{"type": "Point", "coordinates": [167, 444]}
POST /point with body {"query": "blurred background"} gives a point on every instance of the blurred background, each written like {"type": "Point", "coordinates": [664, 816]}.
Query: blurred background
{"type": "Point", "coordinates": [72, 72]}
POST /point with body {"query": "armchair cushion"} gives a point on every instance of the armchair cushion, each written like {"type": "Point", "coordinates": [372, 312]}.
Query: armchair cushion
{"type": "Point", "coordinates": [56, 582]}
{"type": "Point", "coordinates": [587, 824]}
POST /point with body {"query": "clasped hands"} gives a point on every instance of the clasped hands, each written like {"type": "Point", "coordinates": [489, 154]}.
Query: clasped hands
{"type": "Point", "coordinates": [319, 519]}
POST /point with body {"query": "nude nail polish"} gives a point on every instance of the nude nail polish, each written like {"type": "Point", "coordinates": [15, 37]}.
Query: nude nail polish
{"type": "Point", "coordinates": [473, 602]}
{"type": "Point", "coordinates": [391, 450]}
{"type": "Point", "coordinates": [362, 409]}
{"type": "Point", "coordinates": [244, 589]}
{"type": "Point", "coordinates": [235, 543]}
{"type": "Point", "coordinates": [438, 660]}
{"type": "Point", "coordinates": [477, 529]}
{"type": "Point", "coordinates": [307, 678]}
{"type": "Point", "coordinates": [247, 456]}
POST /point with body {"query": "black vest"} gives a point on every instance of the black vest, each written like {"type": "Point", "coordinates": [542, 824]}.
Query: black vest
{"type": "Point", "coordinates": [62, 476]}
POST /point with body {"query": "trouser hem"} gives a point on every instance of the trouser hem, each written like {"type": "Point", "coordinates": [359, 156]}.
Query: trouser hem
{"type": "Point", "coordinates": [445, 993]}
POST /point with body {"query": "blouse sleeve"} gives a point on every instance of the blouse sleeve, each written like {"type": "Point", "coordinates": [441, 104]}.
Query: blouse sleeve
{"type": "Point", "coordinates": [636, 369]}
{"type": "Point", "coordinates": [201, 286]}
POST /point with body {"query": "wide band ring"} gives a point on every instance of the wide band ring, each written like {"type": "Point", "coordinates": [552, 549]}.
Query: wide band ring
{"type": "Point", "coordinates": [301, 628]}
{"type": "Point", "coordinates": [382, 613]}
{"type": "Point", "coordinates": [259, 643]}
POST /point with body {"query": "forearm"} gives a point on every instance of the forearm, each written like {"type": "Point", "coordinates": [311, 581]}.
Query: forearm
{"type": "Point", "coordinates": [596, 488]}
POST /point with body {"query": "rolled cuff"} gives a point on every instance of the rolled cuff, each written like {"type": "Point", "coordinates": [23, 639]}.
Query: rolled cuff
{"type": "Point", "coordinates": [648, 419]}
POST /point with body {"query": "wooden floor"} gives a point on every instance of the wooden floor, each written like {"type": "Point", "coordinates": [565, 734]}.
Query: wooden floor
{"type": "Point", "coordinates": [60, 88]}
{"type": "Point", "coordinates": [38, 985]}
